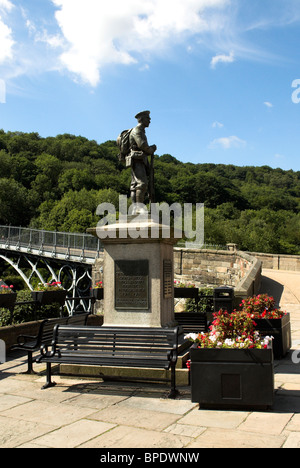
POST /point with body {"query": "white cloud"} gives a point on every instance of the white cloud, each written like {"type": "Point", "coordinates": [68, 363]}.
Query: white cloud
{"type": "Point", "coordinates": [119, 31]}
{"type": "Point", "coordinates": [227, 143]}
{"type": "Point", "coordinates": [6, 42]}
{"type": "Point", "coordinates": [6, 5]}
{"type": "Point", "coordinates": [217, 125]}
{"type": "Point", "coordinates": [268, 104]}
{"type": "Point", "coordinates": [145, 67]}
{"type": "Point", "coordinates": [6, 39]}
{"type": "Point", "coordinates": [222, 58]}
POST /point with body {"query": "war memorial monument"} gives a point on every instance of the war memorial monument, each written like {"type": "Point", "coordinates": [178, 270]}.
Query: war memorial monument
{"type": "Point", "coordinates": [138, 272]}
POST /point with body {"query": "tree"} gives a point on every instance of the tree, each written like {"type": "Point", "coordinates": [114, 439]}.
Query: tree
{"type": "Point", "coordinates": [78, 221]}
{"type": "Point", "coordinates": [14, 208]}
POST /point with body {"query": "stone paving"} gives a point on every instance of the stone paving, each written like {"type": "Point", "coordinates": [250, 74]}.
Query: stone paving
{"type": "Point", "coordinates": [88, 413]}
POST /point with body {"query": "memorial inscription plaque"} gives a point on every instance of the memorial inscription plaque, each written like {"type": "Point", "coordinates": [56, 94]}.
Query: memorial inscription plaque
{"type": "Point", "coordinates": [131, 284]}
{"type": "Point", "coordinates": [167, 267]}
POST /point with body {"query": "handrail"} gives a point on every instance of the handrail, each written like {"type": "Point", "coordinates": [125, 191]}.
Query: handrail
{"type": "Point", "coordinates": [53, 243]}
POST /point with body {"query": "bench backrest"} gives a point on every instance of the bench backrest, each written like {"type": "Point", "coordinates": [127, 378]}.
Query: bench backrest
{"type": "Point", "coordinates": [78, 319]}
{"type": "Point", "coordinates": [191, 322]}
{"type": "Point", "coordinates": [47, 327]}
{"type": "Point", "coordinates": [116, 341]}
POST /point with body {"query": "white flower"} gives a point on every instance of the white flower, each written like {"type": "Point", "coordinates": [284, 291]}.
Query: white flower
{"type": "Point", "coordinates": [229, 342]}
{"type": "Point", "coordinates": [267, 341]}
{"type": "Point", "coordinates": [191, 336]}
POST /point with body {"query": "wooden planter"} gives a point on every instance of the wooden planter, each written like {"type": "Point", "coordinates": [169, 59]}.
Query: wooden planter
{"type": "Point", "coordinates": [280, 329]}
{"type": "Point", "coordinates": [97, 293]}
{"type": "Point", "coordinates": [8, 300]}
{"type": "Point", "coordinates": [49, 297]}
{"type": "Point", "coordinates": [232, 378]}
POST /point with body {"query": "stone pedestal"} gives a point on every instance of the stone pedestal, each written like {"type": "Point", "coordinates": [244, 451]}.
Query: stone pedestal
{"type": "Point", "coordinates": [138, 274]}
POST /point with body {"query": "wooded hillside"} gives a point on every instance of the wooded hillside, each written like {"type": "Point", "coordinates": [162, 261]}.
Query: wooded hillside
{"type": "Point", "coordinates": [56, 183]}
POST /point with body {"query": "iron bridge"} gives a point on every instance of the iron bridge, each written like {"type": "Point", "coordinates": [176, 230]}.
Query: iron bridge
{"type": "Point", "coordinates": [40, 256]}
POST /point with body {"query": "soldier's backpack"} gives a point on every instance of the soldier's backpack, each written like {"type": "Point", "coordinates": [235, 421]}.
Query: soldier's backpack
{"type": "Point", "coordinates": [123, 144]}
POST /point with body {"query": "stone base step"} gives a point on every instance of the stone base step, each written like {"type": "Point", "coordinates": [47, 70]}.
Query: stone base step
{"type": "Point", "coordinates": [136, 374]}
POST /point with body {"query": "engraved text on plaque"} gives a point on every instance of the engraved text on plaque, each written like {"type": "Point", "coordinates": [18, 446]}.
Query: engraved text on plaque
{"type": "Point", "coordinates": [167, 284]}
{"type": "Point", "coordinates": [131, 284]}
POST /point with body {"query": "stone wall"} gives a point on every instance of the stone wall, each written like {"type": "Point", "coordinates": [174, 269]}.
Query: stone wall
{"type": "Point", "coordinates": [211, 267]}
{"type": "Point", "coordinates": [219, 268]}
{"type": "Point", "coordinates": [278, 261]}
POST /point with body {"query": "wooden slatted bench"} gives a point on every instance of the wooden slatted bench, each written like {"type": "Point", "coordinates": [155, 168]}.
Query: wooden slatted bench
{"type": "Point", "coordinates": [113, 346]}
{"type": "Point", "coordinates": [44, 336]}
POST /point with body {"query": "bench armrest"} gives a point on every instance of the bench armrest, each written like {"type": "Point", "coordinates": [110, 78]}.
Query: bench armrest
{"type": "Point", "coordinates": [23, 339]}
{"type": "Point", "coordinates": [173, 355]}
{"type": "Point", "coordinates": [44, 350]}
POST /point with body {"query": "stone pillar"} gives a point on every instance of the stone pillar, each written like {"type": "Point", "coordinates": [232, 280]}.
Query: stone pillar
{"type": "Point", "coordinates": [138, 275]}
{"type": "Point", "coordinates": [232, 247]}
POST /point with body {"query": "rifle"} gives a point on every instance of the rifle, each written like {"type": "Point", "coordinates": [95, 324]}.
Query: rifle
{"type": "Point", "coordinates": [151, 181]}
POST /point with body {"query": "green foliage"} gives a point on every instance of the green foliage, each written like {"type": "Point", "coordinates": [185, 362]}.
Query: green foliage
{"type": "Point", "coordinates": [205, 303]}
{"type": "Point", "coordinates": [56, 183]}
{"type": "Point", "coordinates": [27, 312]}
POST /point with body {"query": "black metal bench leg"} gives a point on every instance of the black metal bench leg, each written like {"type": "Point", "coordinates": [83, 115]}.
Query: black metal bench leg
{"type": "Point", "coordinates": [174, 392]}
{"type": "Point", "coordinates": [29, 364]}
{"type": "Point", "coordinates": [48, 383]}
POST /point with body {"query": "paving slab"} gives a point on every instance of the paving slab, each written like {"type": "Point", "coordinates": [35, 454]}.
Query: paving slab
{"type": "Point", "coordinates": [165, 405]}
{"type": "Point", "coordinates": [73, 435]}
{"type": "Point", "coordinates": [10, 401]}
{"type": "Point", "coordinates": [55, 415]}
{"type": "Point", "coordinates": [233, 438]}
{"type": "Point", "coordinates": [141, 418]}
{"type": "Point", "coordinates": [268, 423]}
{"type": "Point", "coordinates": [14, 432]}
{"type": "Point", "coordinates": [294, 423]}
{"type": "Point", "coordinates": [293, 441]}
{"type": "Point", "coordinates": [185, 430]}
{"type": "Point", "coordinates": [212, 418]}
{"type": "Point", "coordinates": [128, 437]}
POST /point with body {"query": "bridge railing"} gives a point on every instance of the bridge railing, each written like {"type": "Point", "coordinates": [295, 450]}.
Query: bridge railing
{"type": "Point", "coordinates": [67, 243]}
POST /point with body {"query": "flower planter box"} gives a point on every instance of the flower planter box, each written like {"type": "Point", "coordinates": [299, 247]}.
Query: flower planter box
{"type": "Point", "coordinates": [280, 329]}
{"type": "Point", "coordinates": [191, 293]}
{"type": "Point", "coordinates": [8, 300]}
{"type": "Point", "coordinates": [232, 378]}
{"type": "Point", "coordinates": [49, 297]}
{"type": "Point", "coordinates": [97, 293]}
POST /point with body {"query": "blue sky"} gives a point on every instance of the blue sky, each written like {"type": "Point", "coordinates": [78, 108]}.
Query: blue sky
{"type": "Point", "coordinates": [220, 77]}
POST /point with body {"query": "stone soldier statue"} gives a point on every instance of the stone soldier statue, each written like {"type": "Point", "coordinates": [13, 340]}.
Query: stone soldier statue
{"type": "Point", "coordinates": [137, 159]}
